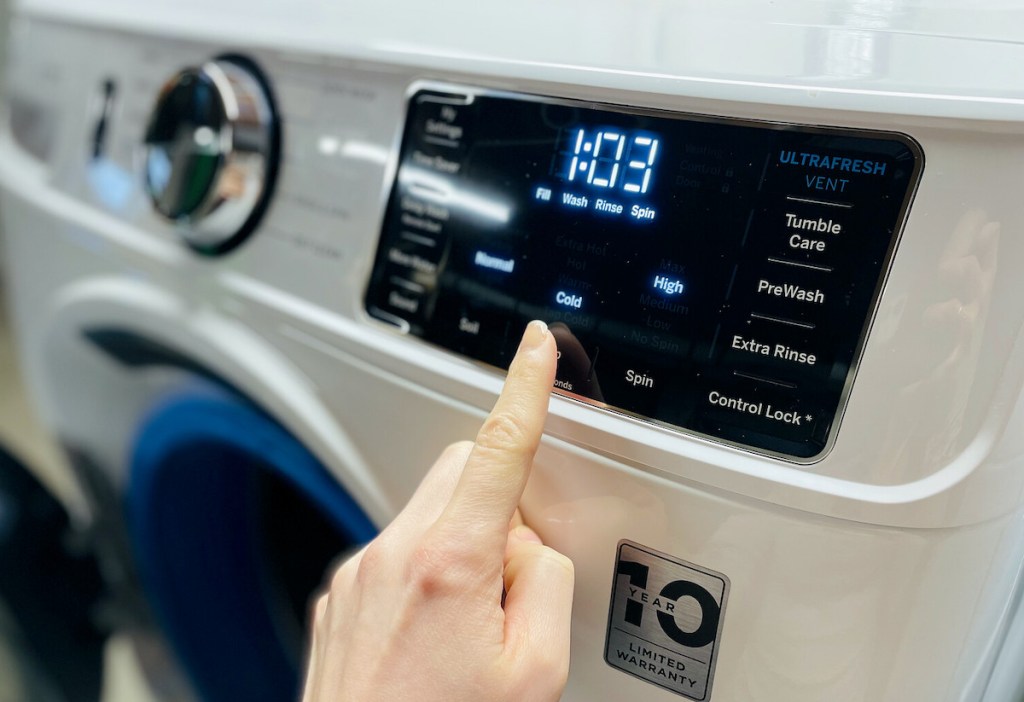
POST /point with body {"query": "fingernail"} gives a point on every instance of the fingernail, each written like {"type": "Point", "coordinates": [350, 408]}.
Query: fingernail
{"type": "Point", "coordinates": [525, 533]}
{"type": "Point", "coordinates": [535, 334]}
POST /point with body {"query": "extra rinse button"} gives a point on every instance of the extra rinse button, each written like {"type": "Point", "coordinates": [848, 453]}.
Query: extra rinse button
{"type": "Point", "coordinates": [781, 352]}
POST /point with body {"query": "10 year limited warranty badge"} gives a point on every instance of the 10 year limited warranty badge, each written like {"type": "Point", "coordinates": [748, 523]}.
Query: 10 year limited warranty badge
{"type": "Point", "coordinates": [665, 620]}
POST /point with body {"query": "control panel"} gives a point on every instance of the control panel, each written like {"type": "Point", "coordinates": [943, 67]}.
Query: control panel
{"type": "Point", "coordinates": [713, 275]}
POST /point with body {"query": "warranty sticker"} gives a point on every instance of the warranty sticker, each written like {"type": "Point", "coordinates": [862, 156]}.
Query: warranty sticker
{"type": "Point", "coordinates": [665, 620]}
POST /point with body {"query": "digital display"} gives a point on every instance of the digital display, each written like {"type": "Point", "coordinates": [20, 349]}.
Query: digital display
{"type": "Point", "coordinates": [711, 275]}
{"type": "Point", "coordinates": [601, 159]}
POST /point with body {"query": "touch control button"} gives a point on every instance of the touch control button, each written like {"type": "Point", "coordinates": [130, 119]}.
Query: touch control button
{"type": "Point", "coordinates": [404, 301]}
{"type": "Point", "coordinates": [473, 327]}
{"type": "Point", "coordinates": [757, 348]}
{"type": "Point", "coordinates": [738, 409]}
{"type": "Point", "coordinates": [436, 162]}
{"type": "Point", "coordinates": [806, 244]}
{"type": "Point", "coordinates": [761, 408]}
{"type": "Point", "coordinates": [803, 297]}
{"type": "Point", "coordinates": [575, 364]}
{"type": "Point", "coordinates": [771, 286]}
{"type": "Point", "coordinates": [635, 378]}
{"type": "Point", "coordinates": [414, 257]}
{"type": "Point", "coordinates": [813, 225]}
{"type": "Point", "coordinates": [443, 121]}
{"type": "Point", "coordinates": [469, 326]}
{"type": "Point", "coordinates": [635, 384]}
{"type": "Point", "coordinates": [811, 237]}
{"type": "Point", "coordinates": [566, 299]}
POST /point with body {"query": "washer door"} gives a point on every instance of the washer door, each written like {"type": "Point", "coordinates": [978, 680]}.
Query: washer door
{"type": "Point", "coordinates": [234, 523]}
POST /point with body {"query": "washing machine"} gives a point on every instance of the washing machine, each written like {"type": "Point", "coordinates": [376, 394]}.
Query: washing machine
{"type": "Point", "coordinates": [265, 260]}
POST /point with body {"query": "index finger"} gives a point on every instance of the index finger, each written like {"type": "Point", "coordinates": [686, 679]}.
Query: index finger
{"type": "Point", "coordinates": [493, 480]}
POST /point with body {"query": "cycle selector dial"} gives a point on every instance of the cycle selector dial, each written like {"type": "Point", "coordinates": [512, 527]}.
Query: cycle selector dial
{"type": "Point", "coordinates": [211, 152]}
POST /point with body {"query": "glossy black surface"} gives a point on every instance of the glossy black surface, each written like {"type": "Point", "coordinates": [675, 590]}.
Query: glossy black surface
{"type": "Point", "coordinates": [729, 299]}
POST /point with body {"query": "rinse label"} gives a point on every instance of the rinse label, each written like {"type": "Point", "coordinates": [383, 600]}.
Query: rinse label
{"type": "Point", "coordinates": [665, 620]}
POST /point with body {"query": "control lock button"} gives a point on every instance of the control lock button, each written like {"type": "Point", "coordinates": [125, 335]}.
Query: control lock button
{"type": "Point", "coordinates": [761, 412]}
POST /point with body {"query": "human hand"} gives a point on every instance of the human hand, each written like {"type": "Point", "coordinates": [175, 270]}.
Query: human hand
{"type": "Point", "coordinates": [457, 599]}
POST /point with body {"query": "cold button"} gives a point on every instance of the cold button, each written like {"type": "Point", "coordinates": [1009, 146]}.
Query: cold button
{"type": "Point", "coordinates": [568, 299]}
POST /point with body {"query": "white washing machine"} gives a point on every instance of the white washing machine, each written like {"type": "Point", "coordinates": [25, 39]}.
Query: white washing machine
{"type": "Point", "coordinates": [267, 259]}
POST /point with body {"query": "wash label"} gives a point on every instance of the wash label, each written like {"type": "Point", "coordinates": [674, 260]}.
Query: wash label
{"type": "Point", "coordinates": [665, 620]}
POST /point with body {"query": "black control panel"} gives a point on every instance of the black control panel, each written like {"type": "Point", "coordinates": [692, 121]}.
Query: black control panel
{"type": "Point", "coordinates": [713, 275]}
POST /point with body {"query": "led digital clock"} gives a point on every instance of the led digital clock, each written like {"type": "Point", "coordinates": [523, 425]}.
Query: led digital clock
{"type": "Point", "coordinates": [610, 158]}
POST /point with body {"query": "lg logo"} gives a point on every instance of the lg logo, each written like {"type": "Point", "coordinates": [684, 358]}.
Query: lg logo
{"type": "Point", "coordinates": [666, 603]}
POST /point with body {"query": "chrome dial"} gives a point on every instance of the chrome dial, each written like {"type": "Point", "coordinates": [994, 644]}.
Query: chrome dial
{"type": "Point", "coordinates": [211, 152]}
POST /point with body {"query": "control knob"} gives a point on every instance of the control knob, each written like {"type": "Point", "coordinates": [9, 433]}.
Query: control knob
{"type": "Point", "coordinates": [211, 152]}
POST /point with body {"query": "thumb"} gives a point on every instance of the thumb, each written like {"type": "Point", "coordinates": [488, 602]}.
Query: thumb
{"type": "Point", "coordinates": [538, 604]}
